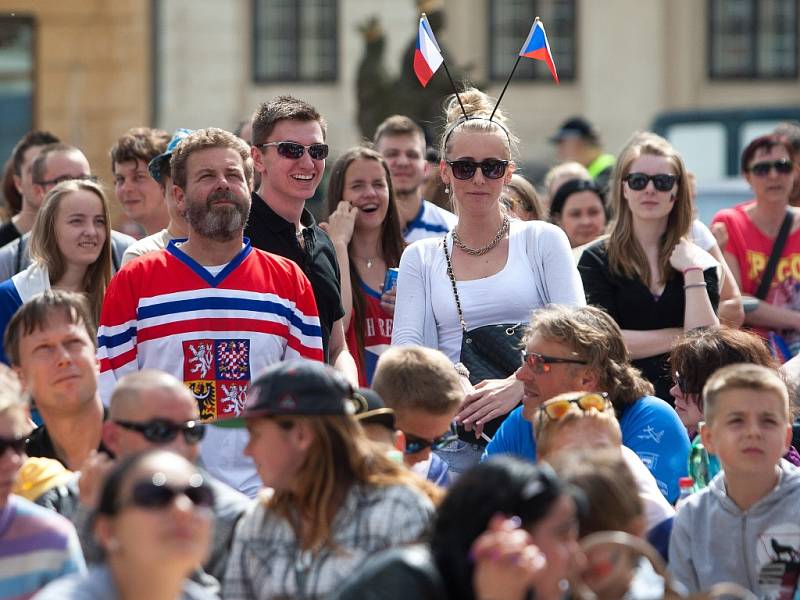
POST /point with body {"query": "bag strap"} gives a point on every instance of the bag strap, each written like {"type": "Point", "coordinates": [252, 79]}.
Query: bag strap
{"type": "Point", "coordinates": [452, 277]}
{"type": "Point", "coordinates": [772, 264]}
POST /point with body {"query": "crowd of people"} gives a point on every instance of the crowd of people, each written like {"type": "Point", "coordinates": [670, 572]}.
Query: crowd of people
{"type": "Point", "coordinates": [407, 398]}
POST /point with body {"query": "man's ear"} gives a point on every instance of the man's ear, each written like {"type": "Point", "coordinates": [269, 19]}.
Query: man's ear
{"type": "Point", "coordinates": [23, 382]}
{"type": "Point", "coordinates": [258, 159]}
{"type": "Point", "coordinates": [178, 196]}
{"type": "Point", "coordinates": [110, 436]}
{"type": "Point", "coordinates": [588, 380]}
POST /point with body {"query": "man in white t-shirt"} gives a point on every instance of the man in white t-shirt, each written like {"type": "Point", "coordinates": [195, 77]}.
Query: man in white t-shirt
{"type": "Point", "coordinates": [402, 143]}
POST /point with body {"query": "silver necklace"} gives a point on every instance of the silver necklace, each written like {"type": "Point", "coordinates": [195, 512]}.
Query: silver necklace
{"type": "Point", "coordinates": [484, 249]}
{"type": "Point", "coordinates": [368, 261]}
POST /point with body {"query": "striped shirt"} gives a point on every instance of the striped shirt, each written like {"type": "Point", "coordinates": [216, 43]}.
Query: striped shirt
{"type": "Point", "coordinates": [431, 221]}
{"type": "Point", "coordinates": [214, 332]}
{"type": "Point", "coordinates": [36, 547]}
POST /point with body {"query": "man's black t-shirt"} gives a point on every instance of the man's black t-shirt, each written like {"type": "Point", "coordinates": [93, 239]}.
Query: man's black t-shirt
{"type": "Point", "coordinates": [270, 232]}
{"type": "Point", "coordinates": [40, 444]}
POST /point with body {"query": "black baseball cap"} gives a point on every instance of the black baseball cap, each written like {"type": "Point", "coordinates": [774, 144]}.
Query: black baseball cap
{"type": "Point", "coordinates": [575, 127]}
{"type": "Point", "coordinates": [297, 387]}
{"type": "Point", "coordinates": [371, 409]}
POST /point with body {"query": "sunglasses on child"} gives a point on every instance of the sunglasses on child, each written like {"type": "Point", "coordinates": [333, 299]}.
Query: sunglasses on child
{"type": "Point", "coordinates": [762, 169]}
{"type": "Point", "coordinates": [492, 168]}
{"type": "Point", "coordinates": [663, 182]}
{"type": "Point", "coordinates": [557, 408]}
{"type": "Point", "coordinates": [416, 444]}
{"type": "Point", "coordinates": [294, 150]}
{"type": "Point", "coordinates": [161, 431]}
{"type": "Point", "coordinates": [156, 494]}
{"type": "Point", "coordinates": [16, 444]}
{"type": "Point", "coordinates": [540, 363]}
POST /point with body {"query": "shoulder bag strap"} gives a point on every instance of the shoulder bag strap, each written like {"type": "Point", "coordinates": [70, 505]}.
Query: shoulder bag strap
{"type": "Point", "coordinates": [452, 277]}
{"type": "Point", "coordinates": [777, 249]}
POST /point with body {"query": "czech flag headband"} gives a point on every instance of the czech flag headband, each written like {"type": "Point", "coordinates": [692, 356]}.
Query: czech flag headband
{"type": "Point", "coordinates": [428, 58]}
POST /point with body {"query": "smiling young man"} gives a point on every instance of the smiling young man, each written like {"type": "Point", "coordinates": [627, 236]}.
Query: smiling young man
{"type": "Point", "coordinates": [210, 310]}
{"type": "Point", "coordinates": [140, 196]}
{"type": "Point", "coordinates": [51, 344]}
{"type": "Point", "coordinates": [289, 152]}
{"type": "Point", "coordinates": [402, 144]}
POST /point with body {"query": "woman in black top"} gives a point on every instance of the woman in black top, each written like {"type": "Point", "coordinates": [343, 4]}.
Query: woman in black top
{"type": "Point", "coordinates": [647, 275]}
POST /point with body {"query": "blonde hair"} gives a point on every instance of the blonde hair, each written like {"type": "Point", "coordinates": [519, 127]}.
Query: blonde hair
{"type": "Point", "coordinates": [478, 108]}
{"type": "Point", "coordinates": [625, 255]}
{"type": "Point", "coordinates": [545, 429]}
{"type": "Point", "coordinates": [414, 377]}
{"type": "Point", "coordinates": [743, 376]}
{"type": "Point", "coordinates": [339, 457]}
{"type": "Point", "coordinates": [44, 245]}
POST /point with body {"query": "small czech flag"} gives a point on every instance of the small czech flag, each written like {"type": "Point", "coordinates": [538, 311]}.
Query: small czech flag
{"type": "Point", "coordinates": [537, 47]}
{"type": "Point", "coordinates": [427, 56]}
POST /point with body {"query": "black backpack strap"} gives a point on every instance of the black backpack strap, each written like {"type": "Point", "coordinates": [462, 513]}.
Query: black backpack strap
{"type": "Point", "coordinates": [772, 264]}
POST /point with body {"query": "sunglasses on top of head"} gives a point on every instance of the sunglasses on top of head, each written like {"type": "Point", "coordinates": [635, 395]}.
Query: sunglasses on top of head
{"type": "Point", "coordinates": [492, 168]}
{"type": "Point", "coordinates": [663, 182]}
{"type": "Point", "coordinates": [294, 150]}
{"type": "Point", "coordinates": [156, 494]}
{"type": "Point", "coordinates": [761, 169]}
{"type": "Point", "coordinates": [557, 408]}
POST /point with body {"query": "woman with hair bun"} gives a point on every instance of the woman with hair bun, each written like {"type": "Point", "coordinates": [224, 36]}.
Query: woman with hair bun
{"type": "Point", "coordinates": [489, 255]}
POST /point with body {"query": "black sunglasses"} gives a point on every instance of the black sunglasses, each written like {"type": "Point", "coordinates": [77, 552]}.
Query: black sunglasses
{"type": "Point", "coordinates": [540, 363]}
{"type": "Point", "coordinates": [663, 182]}
{"type": "Point", "coordinates": [416, 444]}
{"type": "Point", "coordinates": [161, 431]}
{"type": "Point", "coordinates": [294, 150]}
{"type": "Point", "coordinates": [762, 169]}
{"type": "Point", "coordinates": [492, 168]}
{"type": "Point", "coordinates": [154, 493]}
{"type": "Point", "coordinates": [16, 444]}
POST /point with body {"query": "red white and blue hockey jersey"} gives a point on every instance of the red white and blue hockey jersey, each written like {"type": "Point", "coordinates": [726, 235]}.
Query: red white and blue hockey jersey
{"type": "Point", "coordinates": [213, 332]}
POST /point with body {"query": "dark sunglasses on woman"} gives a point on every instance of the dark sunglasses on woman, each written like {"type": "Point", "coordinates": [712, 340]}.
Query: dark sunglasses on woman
{"type": "Point", "coordinates": [294, 150]}
{"type": "Point", "coordinates": [762, 169]}
{"type": "Point", "coordinates": [156, 494]}
{"type": "Point", "coordinates": [161, 431]}
{"type": "Point", "coordinates": [663, 182]}
{"type": "Point", "coordinates": [492, 168]}
{"type": "Point", "coordinates": [16, 444]}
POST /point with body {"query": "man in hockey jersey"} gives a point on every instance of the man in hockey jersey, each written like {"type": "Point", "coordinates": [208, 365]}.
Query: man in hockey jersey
{"type": "Point", "coordinates": [289, 152]}
{"type": "Point", "coordinates": [211, 310]}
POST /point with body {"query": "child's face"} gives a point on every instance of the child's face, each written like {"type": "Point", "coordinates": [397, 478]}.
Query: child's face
{"type": "Point", "coordinates": [748, 431]}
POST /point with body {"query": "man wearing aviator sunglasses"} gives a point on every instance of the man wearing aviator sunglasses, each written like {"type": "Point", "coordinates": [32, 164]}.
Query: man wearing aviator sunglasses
{"type": "Point", "coordinates": [149, 409]}
{"type": "Point", "coordinates": [289, 153]}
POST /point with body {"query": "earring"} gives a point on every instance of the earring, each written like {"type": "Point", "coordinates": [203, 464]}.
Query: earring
{"type": "Point", "coordinates": [447, 189]}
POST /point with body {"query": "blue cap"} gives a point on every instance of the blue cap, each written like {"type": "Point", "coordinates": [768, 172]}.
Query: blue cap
{"type": "Point", "coordinates": [162, 160]}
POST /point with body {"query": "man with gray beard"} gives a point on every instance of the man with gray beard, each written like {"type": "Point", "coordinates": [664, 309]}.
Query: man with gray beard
{"type": "Point", "coordinates": [211, 310]}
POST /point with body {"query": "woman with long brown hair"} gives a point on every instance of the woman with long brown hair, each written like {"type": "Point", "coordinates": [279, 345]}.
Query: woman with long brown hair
{"type": "Point", "coordinates": [70, 248]}
{"type": "Point", "coordinates": [335, 497]}
{"type": "Point", "coordinates": [365, 229]}
{"type": "Point", "coordinates": [647, 275]}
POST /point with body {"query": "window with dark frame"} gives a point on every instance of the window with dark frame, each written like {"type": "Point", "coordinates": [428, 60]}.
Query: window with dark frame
{"type": "Point", "coordinates": [753, 39]}
{"type": "Point", "coordinates": [509, 24]}
{"type": "Point", "coordinates": [295, 40]}
{"type": "Point", "coordinates": [16, 79]}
